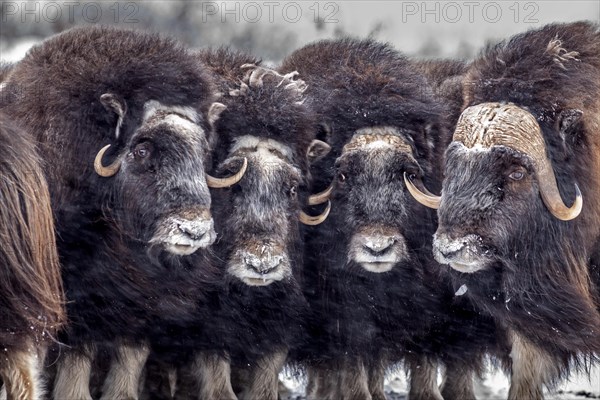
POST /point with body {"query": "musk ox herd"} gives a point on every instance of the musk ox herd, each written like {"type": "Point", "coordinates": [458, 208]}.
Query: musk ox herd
{"type": "Point", "coordinates": [180, 223]}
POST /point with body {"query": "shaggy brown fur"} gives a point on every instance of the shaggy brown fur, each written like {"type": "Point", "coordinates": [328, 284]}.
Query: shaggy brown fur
{"type": "Point", "coordinates": [31, 295]}
{"type": "Point", "coordinates": [549, 72]}
{"type": "Point", "coordinates": [553, 318]}
{"type": "Point", "coordinates": [30, 286]}
{"type": "Point", "coordinates": [225, 66]}
{"type": "Point", "coordinates": [445, 78]}
{"type": "Point", "coordinates": [365, 322]}
{"type": "Point", "coordinates": [91, 86]}
{"type": "Point", "coordinates": [260, 322]}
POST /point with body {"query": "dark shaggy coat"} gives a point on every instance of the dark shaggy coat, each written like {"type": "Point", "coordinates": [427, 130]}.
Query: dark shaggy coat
{"type": "Point", "coordinates": [380, 318]}
{"type": "Point", "coordinates": [552, 280]}
{"type": "Point", "coordinates": [259, 320]}
{"type": "Point", "coordinates": [117, 288]}
{"type": "Point", "coordinates": [246, 323]}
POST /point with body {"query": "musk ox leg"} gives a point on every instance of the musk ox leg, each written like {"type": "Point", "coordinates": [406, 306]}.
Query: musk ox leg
{"type": "Point", "coordinates": [345, 380]}
{"type": "Point", "coordinates": [211, 374]}
{"type": "Point", "coordinates": [458, 383]}
{"type": "Point", "coordinates": [282, 390]}
{"type": "Point", "coordinates": [263, 377]}
{"type": "Point", "coordinates": [354, 382]}
{"type": "Point", "coordinates": [423, 379]}
{"type": "Point", "coordinates": [317, 385]}
{"type": "Point", "coordinates": [21, 373]}
{"type": "Point", "coordinates": [531, 369]}
{"type": "Point", "coordinates": [73, 374]}
{"type": "Point", "coordinates": [159, 382]}
{"type": "Point", "coordinates": [376, 381]}
{"type": "Point", "coordinates": [123, 379]}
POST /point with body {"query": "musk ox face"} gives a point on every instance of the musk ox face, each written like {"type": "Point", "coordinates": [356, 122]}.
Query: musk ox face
{"type": "Point", "coordinates": [499, 184]}
{"type": "Point", "coordinates": [163, 196]}
{"type": "Point", "coordinates": [488, 194]}
{"type": "Point", "coordinates": [371, 206]}
{"type": "Point", "coordinates": [259, 216]}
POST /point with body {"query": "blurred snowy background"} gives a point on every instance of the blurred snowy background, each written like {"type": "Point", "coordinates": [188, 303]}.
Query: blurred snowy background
{"type": "Point", "coordinates": [273, 29]}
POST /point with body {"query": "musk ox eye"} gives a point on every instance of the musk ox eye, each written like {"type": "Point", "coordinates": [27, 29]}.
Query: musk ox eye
{"type": "Point", "coordinates": [293, 191]}
{"type": "Point", "coordinates": [517, 175]}
{"type": "Point", "coordinates": [141, 151]}
{"type": "Point", "coordinates": [341, 177]}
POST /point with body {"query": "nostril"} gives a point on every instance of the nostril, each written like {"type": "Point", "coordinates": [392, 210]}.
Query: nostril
{"type": "Point", "coordinates": [447, 254]}
{"type": "Point", "coordinates": [379, 247]}
{"type": "Point", "coordinates": [252, 261]}
{"type": "Point", "coordinates": [452, 252]}
{"type": "Point", "coordinates": [377, 251]}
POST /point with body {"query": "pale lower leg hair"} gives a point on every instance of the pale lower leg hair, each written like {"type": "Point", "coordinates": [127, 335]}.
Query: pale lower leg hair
{"type": "Point", "coordinates": [172, 378]}
{"type": "Point", "coordinates": [341, 380]}
{"type": "Point", "coordinates": [263, 377]}
{"type": "Point", "coordinates": [212, 375]}
{"type": "Point", "coordinates": [283, 390]}
{"type": "Point", "coordinates": [376, 380]}
{"type": "Point", "coordinates": [21, 373]}
{"type": "Point", "coordinates": [316, 387]}
{"type": "Point", "coordinates": [123, 379]}
{"type": "Point", "coordinates": [161, 380]}
{"type": "Point", "coordinates": [73, 373]}
{"type": "Point", "coordinates": [423, 379]}
{"type": "Point", "coordinates": [354, 382]}
{"type": "Point", "coordinates": [458, 382]}
{"type": "Point", "coordinates": [531, 369]}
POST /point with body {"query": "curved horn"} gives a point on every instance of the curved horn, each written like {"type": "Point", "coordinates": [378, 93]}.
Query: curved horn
{"type": "Point", "coordinates": [103, 171]}
{"type": "Point", "coordinates": [320, 198]}
{"type": "Point", "coordinates": [551, 196]}
{"type": "Point", "coordinates": [424, 197]}
{"type": "Point", "coordinates": [218, 183]}
{"type": "Point", "coordinates": [490, 124]}
{"type": "Point", "coordinates": [316, 220]}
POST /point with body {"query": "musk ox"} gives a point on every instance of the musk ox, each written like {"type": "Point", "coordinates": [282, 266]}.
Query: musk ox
{"type": "Point", "coordinates": [130, 222]}
{"type": "Point", "coordinates": [375, 291]}
{"type": "Point", "coordinates": [31, 296]}
{"type": "Point", "coordinates": [260, 311]}
{"type": "Point", "coordinates": [519, 216]}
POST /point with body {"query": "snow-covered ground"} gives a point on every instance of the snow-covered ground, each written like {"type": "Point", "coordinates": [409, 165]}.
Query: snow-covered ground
{"type": "Point", "coordinates": [493, 387]}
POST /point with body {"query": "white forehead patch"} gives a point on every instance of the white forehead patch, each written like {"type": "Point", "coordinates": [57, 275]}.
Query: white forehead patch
{"type": "Point", "coordinates": [477, 148]}
{"type": "Point", "coordinates": [374, 138]}
{"type": "Point", "coordinates": [377, 144]}
{"type": "Point", "coordinates": [183, 120]}
{"type": "Point", "coordinates": [153, 107]}
{"type": "Point", "coordinates": [262, 145]}
{"type": "Point", "coordinates": [265, 152]}
{"type": "Point", "coordinates": [377, 130]}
